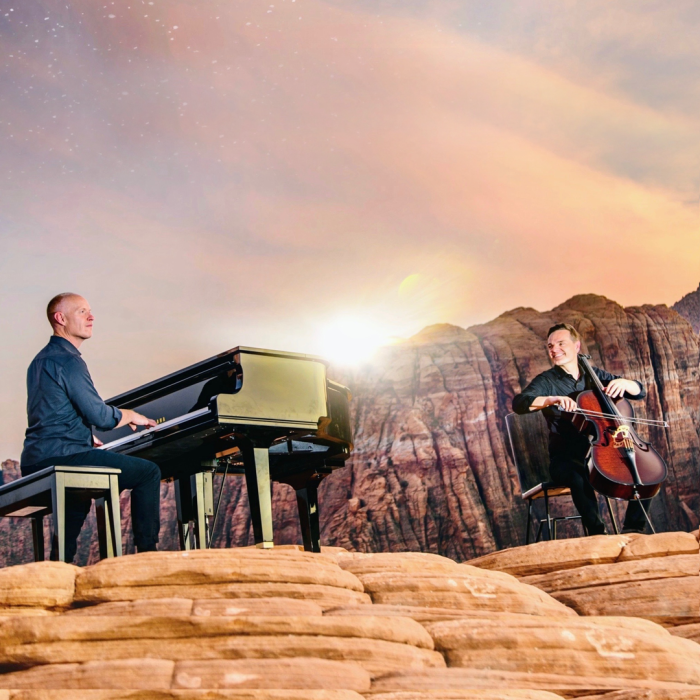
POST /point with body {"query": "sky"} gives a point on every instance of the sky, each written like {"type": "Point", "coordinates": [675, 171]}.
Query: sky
{"type": "Point", "coordinates": [323, 176]}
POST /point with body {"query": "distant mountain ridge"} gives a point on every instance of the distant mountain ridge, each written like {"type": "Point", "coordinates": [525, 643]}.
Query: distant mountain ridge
{"type": "Point", "coordinates": [689, 308]}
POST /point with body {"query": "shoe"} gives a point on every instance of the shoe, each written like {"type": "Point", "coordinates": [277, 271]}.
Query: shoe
{"type": "Point", "coordinates": [633, 531]}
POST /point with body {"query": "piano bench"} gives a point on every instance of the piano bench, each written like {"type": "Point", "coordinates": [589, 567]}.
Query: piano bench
{"type": "Point", "coordinates": [44, 493]}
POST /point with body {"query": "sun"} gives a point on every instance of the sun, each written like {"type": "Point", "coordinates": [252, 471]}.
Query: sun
{"type": "Point", "coordinates": [351, 340]}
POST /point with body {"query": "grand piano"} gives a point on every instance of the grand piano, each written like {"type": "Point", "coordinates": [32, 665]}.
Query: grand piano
{"type": "Point", "coordinates": [272, 416]}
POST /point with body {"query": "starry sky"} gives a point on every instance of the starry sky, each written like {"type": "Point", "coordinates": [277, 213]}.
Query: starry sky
{"type": "Point", "coordinates": [213, 173]}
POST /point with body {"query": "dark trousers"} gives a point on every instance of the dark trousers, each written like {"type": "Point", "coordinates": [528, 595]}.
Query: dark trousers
{"type": "Point", "coordinates": [139, 475]}
{"type": "Point", "coordinates": [574, 474]}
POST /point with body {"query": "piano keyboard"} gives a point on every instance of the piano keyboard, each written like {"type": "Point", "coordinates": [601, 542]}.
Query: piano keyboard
{"type": "Point", "coordinates": [149, 432]}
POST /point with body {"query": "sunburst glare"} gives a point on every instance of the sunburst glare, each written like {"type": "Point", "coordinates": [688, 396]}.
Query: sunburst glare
{"type": "Point", "coordinates": [351, 340]}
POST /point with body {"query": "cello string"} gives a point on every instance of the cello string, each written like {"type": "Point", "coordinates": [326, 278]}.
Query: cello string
{"type": "Point", "coordinates": [642, 421]}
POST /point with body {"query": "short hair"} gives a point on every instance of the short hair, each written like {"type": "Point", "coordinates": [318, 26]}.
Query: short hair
{"type": "Point", "coordinates": [575, 335]}
{"type": "Point", "coordinates": [52, 308]}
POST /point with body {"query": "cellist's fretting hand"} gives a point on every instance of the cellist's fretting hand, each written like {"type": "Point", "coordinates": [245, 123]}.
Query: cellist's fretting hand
{"type": "Point", "coordinates": [619, 386]}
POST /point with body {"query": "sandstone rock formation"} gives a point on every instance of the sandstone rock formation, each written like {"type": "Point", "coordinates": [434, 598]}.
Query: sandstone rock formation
{"type": "Point", "coordinates": [431, 470]}
{"type": "Point", "coordinates": [656, 577]}
{"type": "Point", "coordinates": [418, 627]}
{"type": "Point", "coordinates": [689, 308]}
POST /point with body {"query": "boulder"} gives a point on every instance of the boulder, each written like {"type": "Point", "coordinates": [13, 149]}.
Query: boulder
{"type": "Point", "coordinates": [616, 647]}
{"type": "Point", "coordinates": [668, 601]}
{"type": "Point", "coordinates": [629, 571]}
{"type": "Point", "coordinates": [380, 645]}
{"type": "Point", "coordinates": [662, 544]}
{"type": "Point", "coordinates": [548, 556]}
{"type": "Point", "coordinates": [232, 573]}
{"type": "Point", "coordinates": [428, 580]}
{"type": "Point", "coordinates": [43, 584]}
{"type": "Point", "coordinates": [207, 566]}
{"type": "Point", "coordinates": [460, 590]}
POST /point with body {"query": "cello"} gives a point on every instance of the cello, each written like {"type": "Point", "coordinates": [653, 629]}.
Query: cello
{"type": "Point", "coordinates": [621, 465]}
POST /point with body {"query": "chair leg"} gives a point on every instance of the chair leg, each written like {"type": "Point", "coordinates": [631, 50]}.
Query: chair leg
{"type": "Point", "coordinates": [58, 497]}
{"type": "Point", "coordinates": [549, 517]}
{"type": "Point", "coordinates": [612, 516]}
{"type": "Point", "coordinates": [38, 537]}
{"type": "Point", "coordinates": [529, 520]}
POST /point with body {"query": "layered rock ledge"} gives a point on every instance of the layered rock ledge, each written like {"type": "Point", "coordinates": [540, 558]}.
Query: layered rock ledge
{"type": "Point", "coordinates": [258, 624]}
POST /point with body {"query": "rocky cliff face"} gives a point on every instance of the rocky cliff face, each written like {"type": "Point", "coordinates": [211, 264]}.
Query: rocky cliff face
{"type": "Point", "coordinates": [689, 308]}
{"type": "Point", "coordinates": [431, 470]}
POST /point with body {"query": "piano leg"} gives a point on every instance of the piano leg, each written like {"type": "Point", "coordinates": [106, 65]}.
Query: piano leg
{"type": "Point", "coordinates": [256, 461]}
{"type": "Point", "coordinates": [183, 500]}
{"type": "Point", "coordinates": [201, 486]}
{"type": "Point", "coordinates": [307, 502]}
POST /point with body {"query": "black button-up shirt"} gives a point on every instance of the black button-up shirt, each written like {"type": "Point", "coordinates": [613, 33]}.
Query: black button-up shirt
{"type": "Point", "coordinates": [565, 441]}
{"type": "Point", "coordinates": [62, 405]}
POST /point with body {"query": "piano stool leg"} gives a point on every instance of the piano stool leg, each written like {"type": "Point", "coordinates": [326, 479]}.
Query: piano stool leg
{"type": "Point", "coordinates": [307, 502]}
{"type": "Point", "coordinates": [257, 476]}
{"type": "Point", "coordinates": [58, 497]}
{"type": "Point", "coordinates": [108, 515]}
{"type": "Point", "coordinates": [38, 537]}
{"type": "Point", "coordinates": [115, 515]}
{"type": "Point", "coordinates": [103, 538]}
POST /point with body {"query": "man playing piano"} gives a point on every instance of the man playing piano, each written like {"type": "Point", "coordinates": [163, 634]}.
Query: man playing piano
{"type": "Point", "coordinates": [62, 409]}
{"type": "Point", "coordinates": [554, 392]}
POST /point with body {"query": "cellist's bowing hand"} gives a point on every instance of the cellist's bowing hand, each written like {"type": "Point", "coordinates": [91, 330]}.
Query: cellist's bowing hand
{"type": "Point", "coordinates": [565, 403]}
{"type": "Point", "coordinates": [619, 386]}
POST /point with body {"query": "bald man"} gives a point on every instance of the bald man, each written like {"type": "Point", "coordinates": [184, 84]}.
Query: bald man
{"type": "Point", "coordinates": [63, 406]}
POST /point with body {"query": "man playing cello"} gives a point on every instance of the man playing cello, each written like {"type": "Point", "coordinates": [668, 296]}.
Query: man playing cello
{"type": "Point", "coordinates": [555, 392]}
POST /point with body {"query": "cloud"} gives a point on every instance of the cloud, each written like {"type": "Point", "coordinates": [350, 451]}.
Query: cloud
{"type": "Point", "coordinates": [249, 176]}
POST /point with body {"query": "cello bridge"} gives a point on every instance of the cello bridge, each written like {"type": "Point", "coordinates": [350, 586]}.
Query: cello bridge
{"type": "Point", "coordinates": [622, 437]}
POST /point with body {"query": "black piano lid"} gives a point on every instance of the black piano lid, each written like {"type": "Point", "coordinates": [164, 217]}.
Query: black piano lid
{"type": "Point", "coordinates": [224, 361]}
{"type": "Point", "coordinates": [172, 382]}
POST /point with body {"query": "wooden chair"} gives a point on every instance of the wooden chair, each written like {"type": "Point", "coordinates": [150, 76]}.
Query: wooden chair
{"type": "Point", "coordinates": [528, 436]}
{"type": "Point", "coordinates": [44, 493]}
